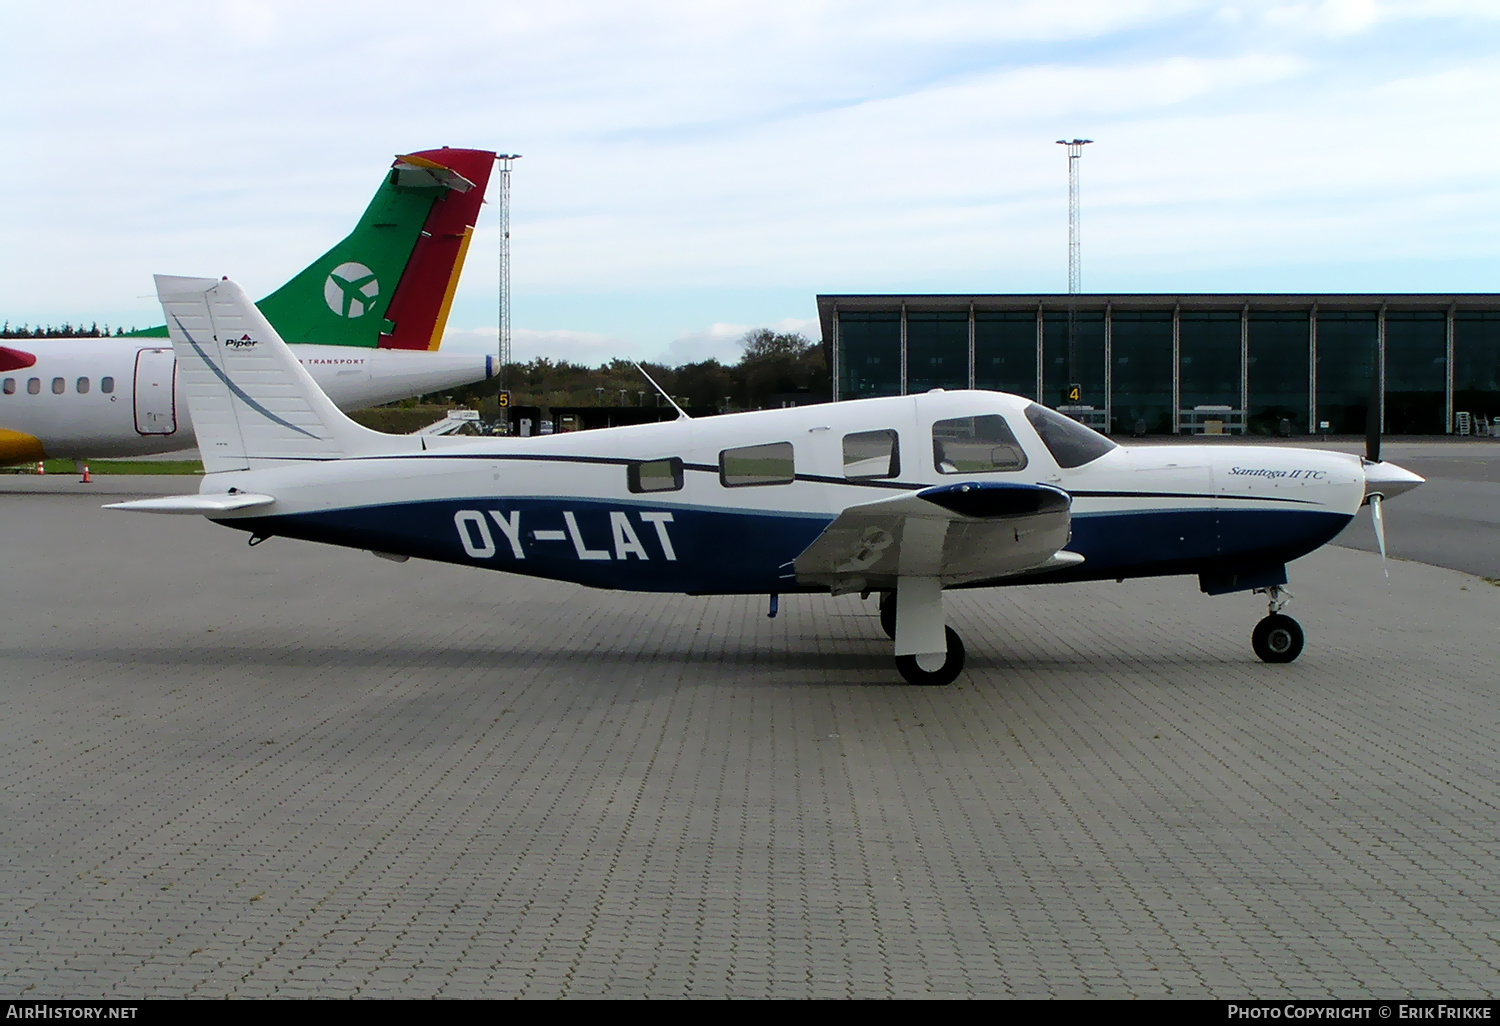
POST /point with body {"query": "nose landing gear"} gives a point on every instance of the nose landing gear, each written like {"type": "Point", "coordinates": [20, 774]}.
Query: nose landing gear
{"type": "Point", "coordinates": [1278, 638]}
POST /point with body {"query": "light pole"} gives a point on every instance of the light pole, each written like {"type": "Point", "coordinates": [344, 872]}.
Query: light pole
{"type": "Point", "coordinates": [505, 160]}
{"type": "Point", "coordinates": [1075, 264]}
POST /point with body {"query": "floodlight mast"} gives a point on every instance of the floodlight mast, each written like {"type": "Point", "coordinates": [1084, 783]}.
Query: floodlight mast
{"type": "Point", "coordinates": [505, 160]}
{"type": "Point", "coordinates": [1075, 254]}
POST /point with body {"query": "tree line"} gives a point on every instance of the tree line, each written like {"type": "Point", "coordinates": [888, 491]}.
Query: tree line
{"type": "Point", "coordinates": [773, 367]}
{"type": "Point", "coordinates": [62, 331]}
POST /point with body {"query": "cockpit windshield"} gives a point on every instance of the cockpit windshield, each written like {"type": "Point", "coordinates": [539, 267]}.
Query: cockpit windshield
{"type": "Point", "coordinates": [1070, 443]}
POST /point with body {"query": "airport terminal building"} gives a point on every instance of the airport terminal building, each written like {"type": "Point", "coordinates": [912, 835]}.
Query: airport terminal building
{"type": "Point", "coordinates": [1176, 364]}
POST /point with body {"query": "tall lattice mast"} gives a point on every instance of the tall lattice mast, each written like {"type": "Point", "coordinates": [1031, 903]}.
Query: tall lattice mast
{"type": "Point", "coordinates": [1075, 252]}
{"type": "Point", "coordinates": [505, 160]}
{"type": "Point", "coordinates": [1075, 268]}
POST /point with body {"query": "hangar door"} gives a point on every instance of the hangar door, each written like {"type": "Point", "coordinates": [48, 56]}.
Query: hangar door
{"type": "Point", "coordinates": [155, 407]}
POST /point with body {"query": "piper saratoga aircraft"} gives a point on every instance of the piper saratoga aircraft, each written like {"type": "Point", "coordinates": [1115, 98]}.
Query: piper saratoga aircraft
{"type": "Point", "coordinates": [904, 496]}
{"type": "Point", "coordinates": [367, 317]}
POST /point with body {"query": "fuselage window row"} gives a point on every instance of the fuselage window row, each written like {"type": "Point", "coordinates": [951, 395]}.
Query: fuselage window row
{"type": "Point", "coordinates": [59, 386]}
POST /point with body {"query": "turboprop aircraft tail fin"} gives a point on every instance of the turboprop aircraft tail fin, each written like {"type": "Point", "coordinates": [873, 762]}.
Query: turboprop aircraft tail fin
{"type": "Point", "coordinates": [250, 397]}
{"type": "Point", "coordinates": [390, 283]}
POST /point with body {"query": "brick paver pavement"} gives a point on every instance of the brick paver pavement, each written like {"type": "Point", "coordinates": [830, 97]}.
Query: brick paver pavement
{"type": "Point", "coordinates": [303, 771]}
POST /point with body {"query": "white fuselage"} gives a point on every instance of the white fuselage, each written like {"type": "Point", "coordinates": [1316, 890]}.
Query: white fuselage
{"type": "Point", "coordinates": [89, 398]}
{"type": "Point", "coordinates": [562, 506]}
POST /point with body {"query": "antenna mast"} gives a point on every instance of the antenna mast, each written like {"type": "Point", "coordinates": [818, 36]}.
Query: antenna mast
{"type": "Point", "coordinates": [505, 162]}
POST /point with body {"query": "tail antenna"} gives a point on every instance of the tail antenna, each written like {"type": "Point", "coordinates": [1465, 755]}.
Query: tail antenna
{"type": "Point", "coordinates": [681, 413]}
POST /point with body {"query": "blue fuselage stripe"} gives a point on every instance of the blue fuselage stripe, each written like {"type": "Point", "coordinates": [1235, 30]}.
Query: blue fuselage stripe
{"type": "Point", "coordinates": [637, 546]}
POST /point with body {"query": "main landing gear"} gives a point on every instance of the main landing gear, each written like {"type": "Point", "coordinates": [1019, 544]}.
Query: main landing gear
{"type": "Point", "coordinates": [923, 613]}
{"type": "Point", "coordinates": [1278, 638]}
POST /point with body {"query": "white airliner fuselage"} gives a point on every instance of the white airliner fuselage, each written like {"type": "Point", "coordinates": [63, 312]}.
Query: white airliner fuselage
{"type": "Point", "coordinates": [93, 398]}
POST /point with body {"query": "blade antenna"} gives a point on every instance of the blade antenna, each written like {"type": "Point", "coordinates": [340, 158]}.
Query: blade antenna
{"type": "Point", "coordinates": [681, 413]}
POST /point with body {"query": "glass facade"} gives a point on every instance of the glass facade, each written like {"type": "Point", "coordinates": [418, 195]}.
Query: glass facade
{"type": "Point", "coordinates": [1005, 351]}
{"type": "Point", "coordinates": [1141, 345]}
{"type": "Point", "coordinates": [870, 354]}
{"type": "Point", "coordinates": [937, 350]}
{"type": "Point", "coordinates": [1346, 351]}
{"type": "Point", "coordinates": [1089, 353]}
{"type": "Point", "coordinates": [1277, 370]}
{"type": "Point", "coordinates": [1416, 372]}
{"type": "Point", "coordinates": [1209, 367]}
{"type": "Point", "coordinates": [1476, 364]}
{"type": "Point", "coordinates": [1289, 360]}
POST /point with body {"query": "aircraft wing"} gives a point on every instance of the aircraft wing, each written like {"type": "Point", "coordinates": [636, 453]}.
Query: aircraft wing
{"type": "Point", "coordinates": [960, 533]}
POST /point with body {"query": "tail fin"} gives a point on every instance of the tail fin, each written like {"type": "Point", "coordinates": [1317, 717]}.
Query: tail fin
{"type": "Point", "coordinates": [250, 397]}
{"type": "Point", "coordinates": [391, 282]}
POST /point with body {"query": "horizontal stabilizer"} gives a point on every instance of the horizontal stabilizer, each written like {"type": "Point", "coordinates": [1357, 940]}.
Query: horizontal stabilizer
{"type": "Point", "coordinates": [205, 505]}
{"type": "Point", "coordinates": [959, 533]}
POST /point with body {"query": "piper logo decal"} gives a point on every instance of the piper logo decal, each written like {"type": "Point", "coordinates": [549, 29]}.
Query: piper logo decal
{"type": "Point", "coordinates": [351, 290]}
{"type": "Point", "coordinates": [243, 342]}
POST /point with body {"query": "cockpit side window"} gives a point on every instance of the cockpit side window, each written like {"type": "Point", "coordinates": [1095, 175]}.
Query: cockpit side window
{"type": "Point", "coordinates": [872, 454]}
{"type": "Point", "coordinates": [975, 445]}
{"type": "Point", "coordinates": [1070, 443]}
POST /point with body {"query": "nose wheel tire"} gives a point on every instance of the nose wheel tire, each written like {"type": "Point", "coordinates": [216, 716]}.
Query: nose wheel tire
{"type": "Point", "coordinates": [1277, 639]}
{"type": "Point", "coordinates": [953, 664]}
{"type": "Point", "coordinates": [888, 614]}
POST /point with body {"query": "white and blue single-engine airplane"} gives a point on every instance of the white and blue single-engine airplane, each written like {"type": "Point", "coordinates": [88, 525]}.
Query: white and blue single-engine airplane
{"type": "Point", "coordinates": [905, 496]}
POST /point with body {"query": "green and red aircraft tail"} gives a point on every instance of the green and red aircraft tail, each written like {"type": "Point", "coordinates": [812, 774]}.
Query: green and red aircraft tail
{"type": "Point", "coordinates": [390, 283]}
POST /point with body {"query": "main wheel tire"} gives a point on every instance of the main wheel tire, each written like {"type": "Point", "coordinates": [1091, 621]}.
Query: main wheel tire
{"type": "Point", "coordinates": [1277, 639]}
{"type": "Point", "coordinates": [952, 666]}
{"type": "Point", "coordinates": [888, 614]}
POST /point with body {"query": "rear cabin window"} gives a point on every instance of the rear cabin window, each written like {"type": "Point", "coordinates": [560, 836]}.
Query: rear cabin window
{"type": "Point", "coordinates": [872, 454]}
{"type": "Point", "coordinates": [769, 464]}
{"type": "Point", "coordinates": [655, 475]}
{"type": "Point", "coordinates": [59, 386]}
{"type": "Point", "coordinates": [1070, 443]}
{"type": "Point", "coordinates": [10, 386]}
{"type": "Point", "coordinates": [975, 445]}
{"type": "Point", "coordinates": [106, 385]}
{"type": "Point", "coordinates": [83, 386]}
{"type": "Point", "coordinates": [33, 386]}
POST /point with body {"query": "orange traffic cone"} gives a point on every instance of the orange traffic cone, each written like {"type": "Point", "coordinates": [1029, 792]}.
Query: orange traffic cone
{"type": "Point", "coordinates": [41, 467]}
{"type": "Point", "coordinates": [87, 477]}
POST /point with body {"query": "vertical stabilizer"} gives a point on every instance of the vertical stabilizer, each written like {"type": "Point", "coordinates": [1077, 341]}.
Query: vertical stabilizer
{"type": "Point", "coordinates": [390, 283]}
{"type": "Point", "coordinates": [250, 397]}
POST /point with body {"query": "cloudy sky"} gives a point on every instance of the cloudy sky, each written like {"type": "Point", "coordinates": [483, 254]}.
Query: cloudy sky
{"type": "Point", "coordinates": [693, 169]}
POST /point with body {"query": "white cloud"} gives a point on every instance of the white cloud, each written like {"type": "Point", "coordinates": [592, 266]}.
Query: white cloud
{"type": "Point", "coordinates": [817, 145]}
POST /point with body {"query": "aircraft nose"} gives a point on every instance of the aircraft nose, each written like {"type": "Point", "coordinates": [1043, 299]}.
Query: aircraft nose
{"type": "Point", "coordinates": [1389, 480]}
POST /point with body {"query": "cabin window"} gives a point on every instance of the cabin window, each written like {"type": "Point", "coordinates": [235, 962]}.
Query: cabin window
{"type": "Point", "coordinates": [870, 454]}
{"type": "Point", "coordinates": [10, 386]}
{"type": "Point", "coordinates": [83, 386]}
{"type": "Point", "coordinates": [769, 464]}
{"type": "Point", "coordinates": [34, 386]}
{"type": "Point", "coordinates": [975, 445]}
{"type": "Point", "coordinates": [59, 386]}
{"type": "Point", "coordinates": [106, 385]}
{"type": "Point", "coordinates": [655, 475]}
{"type": "Point", "coordinates": [1070, 443]}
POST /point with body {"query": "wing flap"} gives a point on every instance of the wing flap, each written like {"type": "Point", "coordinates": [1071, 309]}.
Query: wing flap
{"type": "Point", "coordinates": [959, 533]}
